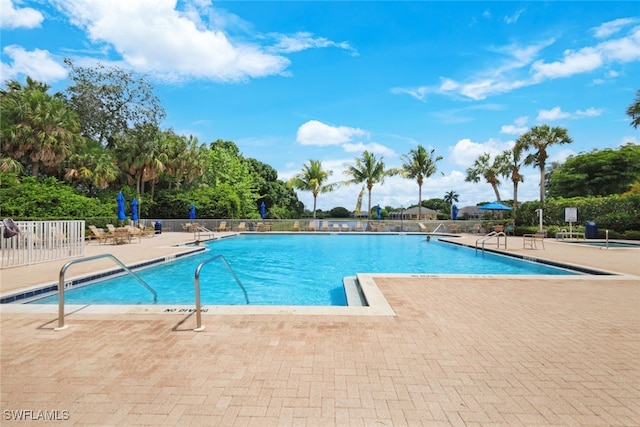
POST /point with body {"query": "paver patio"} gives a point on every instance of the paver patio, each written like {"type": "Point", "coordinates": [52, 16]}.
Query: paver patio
{"type": "Point", "coordinates": [459, 351]}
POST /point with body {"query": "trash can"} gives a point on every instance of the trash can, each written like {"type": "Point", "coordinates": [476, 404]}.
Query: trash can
{"type": "Point", "coordinates": [591, 230]}
{"type": "Point", "coordinates": [158, 227]}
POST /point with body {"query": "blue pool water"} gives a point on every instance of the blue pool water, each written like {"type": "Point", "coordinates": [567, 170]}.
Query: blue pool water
{"type": "Point", "coordinates": [295, 269]}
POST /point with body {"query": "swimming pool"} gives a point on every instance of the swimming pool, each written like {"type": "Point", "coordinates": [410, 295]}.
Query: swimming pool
{"type": "Point", "coordinates": [302, 269]}
{"type": "Point", "coordinates": [610, 244]}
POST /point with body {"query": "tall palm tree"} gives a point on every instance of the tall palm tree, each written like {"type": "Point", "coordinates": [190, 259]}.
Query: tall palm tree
{"type": "Point", "coordinates": [512, 160]}
{"type": "Point", "coordinates": [312, 178]}
{"type": "Point", "coordinates": [368, 170]}
{"type": "Point", "coordinates": [485, 168]}
{"type": "Point", "coordinates": [540, 138]}
{"type": "Point", "coordinates": [37, 128]}
{"type": "Point", "coordinates": [419, 164]}
{"type": "Point", "coordinates": [634, 111]}
{"type": "Point", "coordinates": [450, 197]}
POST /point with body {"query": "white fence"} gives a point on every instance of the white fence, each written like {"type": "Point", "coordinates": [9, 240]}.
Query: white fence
{"type": "Point", "coordinates": [42, 241]}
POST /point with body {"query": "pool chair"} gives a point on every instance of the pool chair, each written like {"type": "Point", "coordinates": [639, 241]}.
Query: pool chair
{"type": "Point", "coordinates": [296, 226]}
{"type": "Point", "coordinates": [359, 226]}
{"type": "Point", "coordinates": [312, 226]}
{"type": "Point", "coordinates": [423, 227]}
{"type": "Point", "coordinates": [530, 241]}
{"type": "Point", "coordinates": [325, 226]}
{"type": "Point", "coordinates": [454, 228]}
{"type": "Point", "coordinates": [336, 227]}
{"type": "Point", "coordinates": [477, 229]}
{"type": "Point", "coordinates": [344, 227]}
{"type": "Point", "coordinates": [10, 228]}
{"type": "Point", "coordinates": [242, 226]}
{"type": "Point", "coordinates": [99, 234]}
{"type": "Point", "coordinates": [222, 226]}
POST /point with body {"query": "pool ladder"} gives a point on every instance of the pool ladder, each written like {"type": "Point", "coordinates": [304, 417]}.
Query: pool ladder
{"type": "Point", "coordinates": [61, 286]}
{"type": "Point", "coordinates": [497, 235]}
{"type": "Point", "coordinates": [199, 326]}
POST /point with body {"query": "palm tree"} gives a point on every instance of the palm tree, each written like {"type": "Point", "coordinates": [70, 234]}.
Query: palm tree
{"type": "Point", "coordinates": [483, 167]}
{"type": "Point", "coordinates": [419, 164]}
{"type": "Point", "coordinates": [512, 162]}
{"type": "Point", "coordinates": [37, 128]}
{"type": "Point", "coordinates": [540, 138]}
{"type": "Point", "coordinates": [368, 170]}
{"type": "Point", "coordinates": [450, 197]}
{"type": "Point", "coordinates": [312, 178]}
{"type": "Point", "coordinates": [634, 111]}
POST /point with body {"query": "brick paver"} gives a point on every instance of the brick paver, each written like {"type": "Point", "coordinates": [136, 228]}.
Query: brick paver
{"type": "Point", "coordinates": [459, 351]}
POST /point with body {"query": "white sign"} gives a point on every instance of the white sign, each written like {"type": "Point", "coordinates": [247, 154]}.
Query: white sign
{"type": "Point", "coordinates": [570, 214]}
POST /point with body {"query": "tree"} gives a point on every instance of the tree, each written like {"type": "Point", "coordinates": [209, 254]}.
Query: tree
{"type": "Point", "coordinates": [634, 111]}
{"type": "Point", "coordinates": [38, 129]}
{"type": "Point", "coordinates": [490, 170]}
{"type": "Point", "coordinates": [597, 173]}
{"type": "Point", "coordinates": [451, 197]}
{"type": "Point", "coordinates": [92, 167]}
{"type": "Point", "coordinates": [512, 161]}
{"type": "Point", "coordinates": [312, 178]}
{"type": "Point", "coordinates": [141, 154]}
{"type": "Point", "coordinates": [419, 164]}
{"type": "Point", "coordinates": [368, 170]}
{"type": "Point", "coordinates": [110, 101]}
{"type": "Point", "coordinates": [540, 138]}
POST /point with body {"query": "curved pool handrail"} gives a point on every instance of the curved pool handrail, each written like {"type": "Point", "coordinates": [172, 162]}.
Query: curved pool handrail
{"type": "Point", "coordinates": [64, 268]}
{"type": "Point", "coordinates": [199, 326]}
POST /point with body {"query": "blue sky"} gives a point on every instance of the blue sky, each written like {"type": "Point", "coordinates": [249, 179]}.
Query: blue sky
{"type": "Point", "coordinates": [295, 80]}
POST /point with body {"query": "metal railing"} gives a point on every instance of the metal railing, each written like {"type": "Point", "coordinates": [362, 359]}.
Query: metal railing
{"type": "Point", "coordinates": [42, 241]}
{"type": "Point", "coordinates": [61, 286]}
{"type": "Point", "coordinates": [199, 327]}
{"type": "Point", "coordinates": [497, 234]}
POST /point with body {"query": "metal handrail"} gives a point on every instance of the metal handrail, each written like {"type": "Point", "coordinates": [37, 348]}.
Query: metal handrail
{"type": "Point", "coordinates": [198, 230]}
{"type": "Point", "coordinates": [63, 270]}
{"type": "Point", "coordinates": [199, 327]}
{"type": "Point", "coordinates": [486, 237]}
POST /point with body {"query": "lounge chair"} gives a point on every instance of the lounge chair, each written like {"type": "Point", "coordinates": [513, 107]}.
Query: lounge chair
{"type": "Point", "coordinates": [312, 226]}
{"type": "Point", "coordinates": [423, 227]}
{"type": "Point", "coordinates": [359, 226]}
{"type": "Point", "coordinates": [296, 226]}
{"type": "Point", "coordinates": [344, 227]}
{"type": "Point", "coordinates": [186, 227]}
{"type": "Point", "coordinates": [498, 228]}
{"type": "Point", "coordinates": [99, 234]}
{"type": "Point", "coordinates": [530, 240]}
{"type": "Point", "coordinates": [336, 227]}
{"type": "Point", "coordinates": [477, 228]}
{"type": "Point", "coordinates": [242, 226]}
{"type": "Point", "coordinates": [222, 226]}
{"type": "Point", "coordinates": [454, 228]}
{"type": "Point", "coordinates": [10, 228]}
{"type": "Point", "coordinates": [325, 226]}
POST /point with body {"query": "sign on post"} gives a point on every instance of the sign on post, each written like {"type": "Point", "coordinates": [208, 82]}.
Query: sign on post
{"type": "Point", "coordinates": [570, 216]}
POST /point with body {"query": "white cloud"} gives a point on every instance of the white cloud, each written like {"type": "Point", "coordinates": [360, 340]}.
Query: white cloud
{"type": "Point", "coordinates": [317, 133]}
{"type": "Point", "coordinates": [154, 38]}
{"type": "Point", "coordinates": [13, 17]}
{"type": "Point", "coordinates": [609, 28]}
{"type": "Point", "coordinates": [556, 113]}
{"type": "Point", "coordinates": [512, 19]}
{"type": "Point", "coordinates": [519, 68]}
{"type": "Point", "coordinates": [37, 64]}
{"type": "Point", "coordinates": [372, 147]}
{"type": "Point", "coordinates": [465, 152]}
{"type": "Point", "coordinates": [288, 43]}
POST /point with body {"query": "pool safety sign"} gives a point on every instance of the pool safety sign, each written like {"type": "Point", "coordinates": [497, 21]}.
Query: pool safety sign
{"type": "Point", "coordinates": [570, 215]}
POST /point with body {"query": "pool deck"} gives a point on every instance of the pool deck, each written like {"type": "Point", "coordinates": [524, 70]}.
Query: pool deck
{"type": "Point", "coordinates": [460, 350]}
